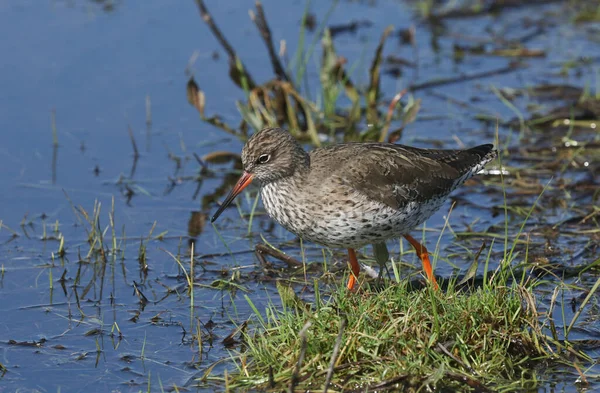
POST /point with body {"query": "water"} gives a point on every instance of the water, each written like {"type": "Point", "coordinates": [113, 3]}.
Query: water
{"type": "Point", "coordinates": [95, 67]}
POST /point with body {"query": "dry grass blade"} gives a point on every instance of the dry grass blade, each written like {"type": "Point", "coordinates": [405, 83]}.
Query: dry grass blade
{"type": "Point", "coordinates": [467, 77]}
{"type": "Point", "coordinates": [261, 23]}
{"type": "Point", "coordinates": [221, 157]}
{"type": "Point", "coordinates": [519, 52]}
{"type": "Point", "coordinates": [133, 143]}
{"type": "Point", "coordinates": [234, 60]}
{"type": "Point", "coordinates": [472, 270]}
{"type": "Point", "coordinates": [582, 306]}
{"type": "Point", "coordinates": [197, 99]}
{"type": "Point", "coordinates": [334, 355]}
{"type": "Point", "coordinates": [309, 108]}
{"type": "Point", "coordinates": [295, 375]}
{"type": "Point", "coordinates": [230, 339]}
{"type": "Point", "coordinates": [138, 292]}
{"type": "Point", "coordinates": [388, 384]}
{"type": "Point", "coordinates": [374, 75]}
{"type": "Point", "coordinates": [195, 96]}
{"type": "Point", "coordinates": [290, 108]}
{"type": "Point", "coordinates": [390, 114]}
{"type": "Point", "coordinates": [264, 249]}
{"type": "Point", "coordinates": [456, 359]}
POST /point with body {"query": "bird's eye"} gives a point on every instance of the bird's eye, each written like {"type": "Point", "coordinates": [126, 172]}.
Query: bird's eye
{"type": "Point", "coordinates": [263, 158]}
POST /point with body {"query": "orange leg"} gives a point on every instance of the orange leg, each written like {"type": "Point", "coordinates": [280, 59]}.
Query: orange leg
{"type": "Point", "coordinates": [424, 257]}
{"type": "Point", "coordinates": [355, 268]}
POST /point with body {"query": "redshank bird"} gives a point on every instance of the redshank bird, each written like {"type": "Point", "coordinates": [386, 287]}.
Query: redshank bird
{"type": "Point", "coordinates": [353, 194]}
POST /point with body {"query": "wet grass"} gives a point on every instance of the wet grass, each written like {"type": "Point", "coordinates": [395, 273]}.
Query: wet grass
{"type": "Point", "coordinates": [487, 338]}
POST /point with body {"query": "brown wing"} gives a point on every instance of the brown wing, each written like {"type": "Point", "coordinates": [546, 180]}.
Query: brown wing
{"type": "Point", "coordinates": [396, 175]}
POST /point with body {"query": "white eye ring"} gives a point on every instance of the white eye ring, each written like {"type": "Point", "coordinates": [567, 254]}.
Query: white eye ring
{"type": "Point", "coordinates": [264, 158]}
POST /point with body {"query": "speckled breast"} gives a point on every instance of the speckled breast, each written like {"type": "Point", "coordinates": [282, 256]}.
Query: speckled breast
{"type": "Point", "coordinates": [349, 223]}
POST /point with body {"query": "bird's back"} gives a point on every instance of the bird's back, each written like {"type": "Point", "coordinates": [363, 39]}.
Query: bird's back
{"type": "Point", "coordinates": [396, 174]}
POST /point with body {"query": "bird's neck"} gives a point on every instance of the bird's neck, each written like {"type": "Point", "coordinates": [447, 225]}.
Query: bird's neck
{"type": "Point", "coordinates": [302, 159]}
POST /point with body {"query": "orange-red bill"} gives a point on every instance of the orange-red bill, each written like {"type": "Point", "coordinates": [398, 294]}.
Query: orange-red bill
{"type": "Point", "coordinates": [242, 183]}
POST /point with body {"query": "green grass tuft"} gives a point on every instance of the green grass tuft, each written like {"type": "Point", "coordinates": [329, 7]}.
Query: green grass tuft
{"type": "Point", "coordinates": [455, 339]}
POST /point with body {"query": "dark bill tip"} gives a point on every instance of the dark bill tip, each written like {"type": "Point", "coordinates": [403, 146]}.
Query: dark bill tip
{"type": "Point", "coordinates": [242, 183]}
